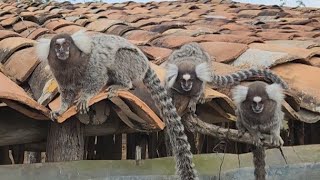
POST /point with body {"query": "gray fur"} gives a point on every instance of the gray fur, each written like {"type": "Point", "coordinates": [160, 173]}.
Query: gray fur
{"type": "Point", "coordinates": [193, 59]}
{"type": "Point", "coordinates": [117, 63]}
{"type": "Point", "coordinates": [267, 121]}
{"type": "Point", "coordinates": [235, 78]}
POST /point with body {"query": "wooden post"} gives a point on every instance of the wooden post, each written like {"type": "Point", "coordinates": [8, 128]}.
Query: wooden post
{"type": "Point", "coordinates": [65, 141]}
{"type": "Point", "coordinates": [4, 155]}
{"type": "Point", "coordinates": [131, 145]}
{"type": "Point", "coordinates": [152, 145]}
{"type": "Point", "coordinates": [89, 147]}
{"type": "Point", "coordinates": [18, 153]}
{"type": "Point", "coordinates": [32, 157]}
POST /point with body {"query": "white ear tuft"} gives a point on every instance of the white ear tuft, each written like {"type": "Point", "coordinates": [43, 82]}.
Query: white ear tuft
{"type": "Point", "coordinates": [171, 74]}
{"type": "Point", "coordinates": [82, 41]}
{"type": "Point", "coordinates": [275, 92]}
{"type": "Point", "coordinates": [43, 48]}
{"type": "Point", "coordinates": [239, 94]}
{"type": "Point", "coordinates": [204, 72]}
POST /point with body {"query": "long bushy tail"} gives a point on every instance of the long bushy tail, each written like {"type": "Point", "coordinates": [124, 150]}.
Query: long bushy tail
{"type": "Point", "coordinates": [259, 155]}
{"type": "Point", "coordinates": [175, 128]}
{"type": "Point", "coordinates": [234, 78]}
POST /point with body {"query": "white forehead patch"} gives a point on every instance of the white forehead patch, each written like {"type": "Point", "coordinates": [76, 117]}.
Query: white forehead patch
{"type": "Point", "coordinates": [257, 99]}
{"type": "Point", "coordinates": [186, 77]}
{"type": "Point", "coordinates": [61, 40]}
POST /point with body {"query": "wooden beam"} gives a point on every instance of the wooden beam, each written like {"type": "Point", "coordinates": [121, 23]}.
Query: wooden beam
{"type": "Point", "coordinates": [21, 131]}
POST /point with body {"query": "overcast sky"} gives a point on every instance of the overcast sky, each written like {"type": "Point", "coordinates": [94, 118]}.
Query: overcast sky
{"type": "Point", "coordinates": [292, 3]}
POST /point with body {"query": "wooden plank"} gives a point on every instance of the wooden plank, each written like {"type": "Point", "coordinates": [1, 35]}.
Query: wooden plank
{"type": "Point", "coordinates": [19, 129]}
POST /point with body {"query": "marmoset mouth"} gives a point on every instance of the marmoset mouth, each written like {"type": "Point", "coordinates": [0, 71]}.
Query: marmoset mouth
{"type": "Point", "coordinates": [257, 110]}
{"type": "Point", "coordinates": [63, 56]}
{"type": "Point", "coordinates": [187, 88]}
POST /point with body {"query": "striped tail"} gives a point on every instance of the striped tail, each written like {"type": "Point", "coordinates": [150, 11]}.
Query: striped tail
{"type": "Point", "coordinates": [259, 162]}
{"type": "Point", "coordinates": [175, 129]}
{"type": "Point", "coordinates": [235, 78]}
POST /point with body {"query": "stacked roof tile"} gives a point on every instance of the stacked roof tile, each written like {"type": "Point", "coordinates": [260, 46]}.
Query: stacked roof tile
{"type": "Point", "coordinates": [236, 35]}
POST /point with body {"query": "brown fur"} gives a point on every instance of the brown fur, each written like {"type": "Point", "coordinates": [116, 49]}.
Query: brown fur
{"type": "Point", "coordinates": [267, 121]}
{"type": "Point", "coordinates": [67, 72]}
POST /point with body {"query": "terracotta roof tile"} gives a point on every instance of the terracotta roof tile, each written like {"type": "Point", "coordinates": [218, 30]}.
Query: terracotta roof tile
{"type": "Point", "coordinates": [9, 45]}
{"type": "Point", "coordinates": [173, 41]}
{"type": "Point", "coordinates": [57, 23]}
{"type": "Point", "coordinates": [14, 96]}
{"type": "Point", "coordinates": [22, 63]}
{"type": "Point", "coordinates": [140, 35]}
{"type": "Point", "coordinates": [306, 86]}
{"type": "Point", "coordinates": [9, 20]}
{"type": "Point", "coordinates": [156, 54]}
{"type": "Point", "coordinates": [120, 29]}
{"type": "Point", "coordinates": [101, 25]}
{"type": "Point", "coordinates": [36, 33]}
{"type": "Point", "coordinates": [219, 49]}
{"type": "Point", "coordinates": [23, 25]}
{"type": "Point", "coordinates": [298, 52]}
{"type": "Point", "coordinates": [5, 34]}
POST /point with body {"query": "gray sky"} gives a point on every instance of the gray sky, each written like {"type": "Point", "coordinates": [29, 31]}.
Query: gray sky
{"type": "Point", "coordinates": [308, 3]}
